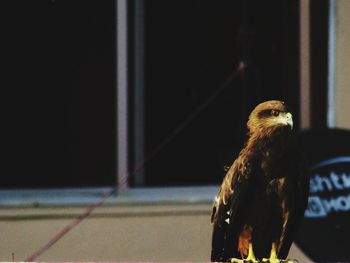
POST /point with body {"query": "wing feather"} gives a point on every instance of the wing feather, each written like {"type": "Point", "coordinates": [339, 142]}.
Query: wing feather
{"type": "Point", "coordinates": [231, 194]}
{"type": "Point", "coordinates": [295, 215]}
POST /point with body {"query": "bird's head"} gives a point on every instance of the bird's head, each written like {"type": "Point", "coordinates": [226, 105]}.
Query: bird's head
{"type": "Point", "coordinates": [270, 116]}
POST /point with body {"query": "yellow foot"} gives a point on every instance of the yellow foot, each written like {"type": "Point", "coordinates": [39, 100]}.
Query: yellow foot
{"type": "Point", "coordinates": [273, 257]}
{"type": "Point", "coordinates": [250, 258]}
{"type": "Point", "coordinates": [276, 260]}
{"type": "Point", "coordinates": [237, 260]}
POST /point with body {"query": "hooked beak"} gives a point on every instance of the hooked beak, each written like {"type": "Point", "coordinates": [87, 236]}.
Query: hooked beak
{"type": "Point", "coordinates": [285, 119]}
{"type": "Point", "coordinates": [289, 119]}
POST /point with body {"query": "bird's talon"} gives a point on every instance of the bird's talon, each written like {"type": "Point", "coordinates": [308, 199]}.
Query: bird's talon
{"type": "Point", "coordinates": [276, 260]}
{"type": "Point", "coordinates": [250, 261]}
{"type": "Point", "coordinates": [236, 260]}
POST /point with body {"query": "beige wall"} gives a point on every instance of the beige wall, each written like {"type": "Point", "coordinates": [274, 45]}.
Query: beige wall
{"type": "Point", "coordinates": [115, 233]}
{"type": "Point", "coordinates": [342, 75]}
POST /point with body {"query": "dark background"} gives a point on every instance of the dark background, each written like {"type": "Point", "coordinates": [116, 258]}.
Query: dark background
{"type": "Point", "coordinates": [190, 50]}
{"type": "Point", "coordinates": [61, 108]}
{"type": "Point", "coordinates": [61, 103]}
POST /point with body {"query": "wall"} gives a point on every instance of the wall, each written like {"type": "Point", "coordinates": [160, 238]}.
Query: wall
{"type": "Point", "coordinates": [342, 81]}
{"type": "Point", "coordinates": [115, 233]}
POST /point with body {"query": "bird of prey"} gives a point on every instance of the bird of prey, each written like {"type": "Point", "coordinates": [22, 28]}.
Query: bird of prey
{"type": "Point", "coordinates": [264, 193]}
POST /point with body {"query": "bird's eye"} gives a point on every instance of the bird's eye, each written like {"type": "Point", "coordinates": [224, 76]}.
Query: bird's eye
{"type": "Point", "coordinates": [274, 113]}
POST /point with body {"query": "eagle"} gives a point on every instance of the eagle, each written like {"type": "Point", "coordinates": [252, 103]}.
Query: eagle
{"type": "Point", "coordinates": [263, 196]}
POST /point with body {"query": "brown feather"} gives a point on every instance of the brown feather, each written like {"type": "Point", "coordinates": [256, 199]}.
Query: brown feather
{"type": "Point", "coordinates": [268, 159]}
